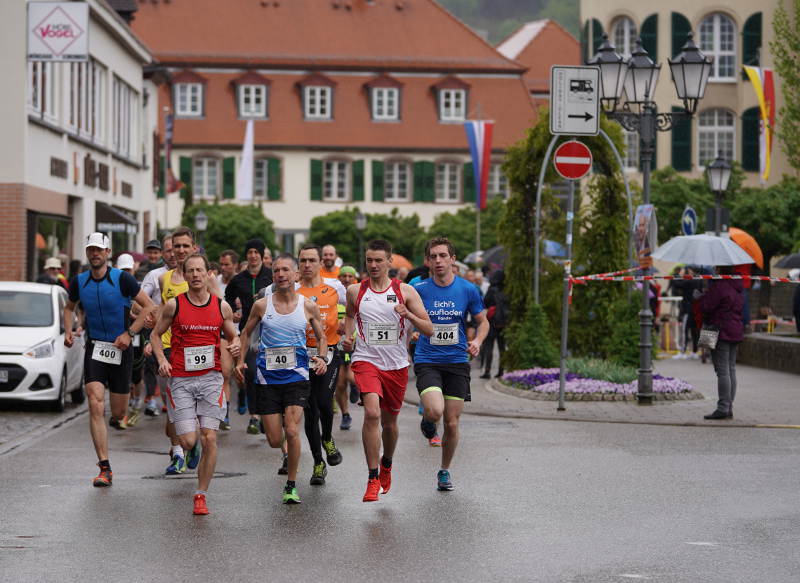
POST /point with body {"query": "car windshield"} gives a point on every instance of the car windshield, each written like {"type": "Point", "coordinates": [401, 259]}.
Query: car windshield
{"type": "Point", "coordinates": [18, 308]}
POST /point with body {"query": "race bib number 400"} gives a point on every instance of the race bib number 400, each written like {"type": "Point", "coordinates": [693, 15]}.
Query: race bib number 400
{"type": "Point", "coordinates": [382, 333]}
{"type": "Point", "coordinates": [106, 352]}
{"type": "Point", "coordinates": [444, 334]}
{"type": "Point", "coordinates": [281, 358]}
{"type": "Point", "coordinates": [198, 358]}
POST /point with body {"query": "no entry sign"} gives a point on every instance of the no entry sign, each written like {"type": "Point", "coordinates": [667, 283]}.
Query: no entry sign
{"type": "Point", "coordinates": [573, 160]}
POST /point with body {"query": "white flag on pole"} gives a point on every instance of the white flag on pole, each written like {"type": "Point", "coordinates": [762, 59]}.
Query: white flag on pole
{"type": "Point", "coordinates": [244, 178]}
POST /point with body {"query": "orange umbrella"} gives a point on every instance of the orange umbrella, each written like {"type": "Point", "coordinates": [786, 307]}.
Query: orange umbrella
{"type": "Point", "coordinates": [748, 243]}
{"type": "Point", "coordinates": [399, 261]}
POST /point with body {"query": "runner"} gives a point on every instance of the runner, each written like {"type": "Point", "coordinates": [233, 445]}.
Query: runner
{"type": "Point", "coordinates": [441, 362]}
{"type": "Point", "coordinates": [329, 268]}
{"type": "Point", "coordinates": [196, 319]}
{"type": "Point", "coordinates": [105, 293]}
{"type": "Point", "coordinates": [125, 263]}
{"type": "Point", "coordinates": [282, 362]}
{"type": "Point", "coordinates": [228, 263]}
{"type": "Point", "coordinates": [347, 276]}
{"type": "Point", "coordinates": [380, 306]}
{"type": "Point", "coordinates": [319, 410]}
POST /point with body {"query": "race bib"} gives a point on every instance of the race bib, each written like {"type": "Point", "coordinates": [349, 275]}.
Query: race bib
{"type": "Point", "coordinates": [382, 333]}
{"type": "Point", "coordinates": [198, 358]}
{"type": "Point", "coordinates": [313, 351]}
{"type": "Point", "coordinates": [280, 358]}
{"type": "Point", "coordinates": [106, 352]}
{"type": "Point", "coordinates": [444, 335]}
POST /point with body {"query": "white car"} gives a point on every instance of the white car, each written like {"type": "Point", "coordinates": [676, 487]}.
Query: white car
{"type": "Point", "coordinates": [34, 363]}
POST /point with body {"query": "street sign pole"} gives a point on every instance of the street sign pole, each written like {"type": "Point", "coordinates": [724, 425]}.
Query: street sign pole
{"type": "Point", "coordinates": [565, 299]}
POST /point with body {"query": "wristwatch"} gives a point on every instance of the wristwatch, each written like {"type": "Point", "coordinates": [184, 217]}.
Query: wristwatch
{"type": "Point", "coordinates": [131, 333]}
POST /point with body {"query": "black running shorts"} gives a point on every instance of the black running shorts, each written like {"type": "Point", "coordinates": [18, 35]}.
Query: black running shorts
{"type": "Point", "coordinates": [451, 379]}
{"type": "Point", "coordinates": [272, 399]}
{"type": "Point", "coordinates": [117, 377]}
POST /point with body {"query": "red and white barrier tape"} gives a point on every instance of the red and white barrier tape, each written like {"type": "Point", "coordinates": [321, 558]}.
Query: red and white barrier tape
{"type": "Point", "coordinates": [583, 279]}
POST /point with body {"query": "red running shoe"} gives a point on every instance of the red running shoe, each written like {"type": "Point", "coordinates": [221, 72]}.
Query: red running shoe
{"type": "Point", "coordinates": [373, 486]}
{"type": "Point", "coordinates": [103, 479]}
{"type": "Point", "coordinates": [435, 441]}
{"type": "Point", "coordinates": [385, 478]}
{"type": "Point", "coordinates": [200, 507]}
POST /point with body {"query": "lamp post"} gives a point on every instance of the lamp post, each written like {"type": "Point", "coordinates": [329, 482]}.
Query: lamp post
{"type": "Point", "coordinates": [361, 224]}
{"type": "Point", "coordinates": [719, 175]}
{"type": "Point", "coordinates": [638, 77]}
{"type": "Point", "coordinates": [200, 225]}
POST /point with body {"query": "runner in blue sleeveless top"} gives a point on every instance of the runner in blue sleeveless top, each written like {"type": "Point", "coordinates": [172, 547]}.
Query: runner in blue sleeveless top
{"type": "Point", "coordinates": [282, 386]}
{"type": "Point", "coordinates": [441, 362]}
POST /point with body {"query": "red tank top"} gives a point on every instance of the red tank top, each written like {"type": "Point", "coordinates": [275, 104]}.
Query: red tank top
{"type": "Point", "coordinates": [195, 337]}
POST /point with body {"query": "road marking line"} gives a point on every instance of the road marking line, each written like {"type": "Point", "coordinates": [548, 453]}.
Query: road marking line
{"type": "Point", "coordinates": [702, 544]}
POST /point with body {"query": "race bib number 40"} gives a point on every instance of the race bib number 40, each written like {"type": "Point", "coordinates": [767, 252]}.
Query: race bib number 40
{"type": "Point", "coordinates": [280, 358]}
{"type": "Point", "coordinates": [198, 358]}
{"type": "Point", "coordinates": [444, 334]}
{"type": "Point", "coordinates": [106, 352]}
{"type": "Point", "coordinates": [382, 333]}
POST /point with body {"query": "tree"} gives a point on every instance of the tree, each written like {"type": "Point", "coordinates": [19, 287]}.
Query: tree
{"type": "Point", "coordinates": [785, 48]}
{"type": "Point", "coordinates": [459, 227]}
{"type": "Point", "coordinates": [230, 226]}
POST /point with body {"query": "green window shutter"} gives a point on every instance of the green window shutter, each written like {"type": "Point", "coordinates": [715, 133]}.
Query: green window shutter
{"type": "Point", "coordinates": [358, 180]}
{"type": "Point", "coordinates": [681, 27]}
{"type": "Point", "coordinates": [377, 181]}
{"type": "Point", "coordinates": [649, 35]}
{"type": "Point", "coordinates": [751, 40]}
{"type": "Point", "coordinates": [185, 169]}
{"type": "Point", "coordinates": [424, 182]}
{"type": "Point", "coordinates": [469, 183]}
{"type": "Point", "coordinates": [273, 179]}
{"type": "Point", "coordinates": [751, 140]}
{"type": "Point", "coordinates": [597, 35]}
{"type": "Point", "coordinates": [161, 161]}
{"type": "Point", "coordinates": [316, 179]}
{"type": "Point", "coordinates": [682, 144]}
{"type": "Point", "coordinates": [585, 41]}
{"type": "Point", "coordinates": [228, 178]}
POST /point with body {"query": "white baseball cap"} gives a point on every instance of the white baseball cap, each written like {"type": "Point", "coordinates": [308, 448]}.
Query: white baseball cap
{"type": "Point", "coordinates": [125, 261]}
{"type": "Point", "coordinates": [52, 262]}
{"type": "Point", "coordinates": [98, 240]}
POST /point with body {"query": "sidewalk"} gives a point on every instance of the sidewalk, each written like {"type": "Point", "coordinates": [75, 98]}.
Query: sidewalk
{"type": "Point", "coordinates": [764, 399]}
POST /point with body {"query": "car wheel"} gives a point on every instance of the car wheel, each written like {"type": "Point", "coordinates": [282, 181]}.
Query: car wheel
{"type": "Point", "coordinates": [61, 401]}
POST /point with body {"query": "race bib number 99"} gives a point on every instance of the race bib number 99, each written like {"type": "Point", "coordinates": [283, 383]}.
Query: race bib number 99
{"type": "Point", "coordinates": [444, 335]}
{"type": "Point", "coordinates": [280, 358]}
{"type": "Point", "coordinates": [106, 352]}
{"type": "Point", "coordinates": [198, 358]}
{"type": "Point", "coordinates": [382, 333]}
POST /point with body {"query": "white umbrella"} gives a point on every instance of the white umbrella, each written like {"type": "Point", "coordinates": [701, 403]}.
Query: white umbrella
{"type": "Point", "coordinates": [702, 250]}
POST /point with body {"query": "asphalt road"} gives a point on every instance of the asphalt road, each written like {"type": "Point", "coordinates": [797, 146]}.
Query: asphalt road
{"type": "Point", "coordinates": [534, 501]}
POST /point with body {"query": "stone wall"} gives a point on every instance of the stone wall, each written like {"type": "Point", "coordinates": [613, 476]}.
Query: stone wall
{"type": "Point", "coordinates": [772, 351]}
{"type": "Point", "coordinates": [13, 225]}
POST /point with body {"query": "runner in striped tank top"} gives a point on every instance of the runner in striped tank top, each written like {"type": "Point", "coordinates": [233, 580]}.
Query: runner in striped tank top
{"type": "Point", "coordinates": [382, 311]}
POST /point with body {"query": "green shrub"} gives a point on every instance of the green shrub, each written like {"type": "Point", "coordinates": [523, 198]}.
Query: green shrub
{"type": "Point", "coordinates": [528, 341]}
{"type": "Point", "coordinates": [602, 370]}
{"type": "Point", "coordinates": [622, 346]}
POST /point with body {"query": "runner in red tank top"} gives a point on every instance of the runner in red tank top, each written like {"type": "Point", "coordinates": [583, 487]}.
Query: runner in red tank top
{"type": "Point", "coordinates": [196, 319]}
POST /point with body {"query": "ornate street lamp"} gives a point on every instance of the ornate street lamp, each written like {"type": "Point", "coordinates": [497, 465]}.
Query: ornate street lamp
{"type": "Point", "coordinates": [200, 225]}
{"type": "Point", "coordinates": [719, 175]}
{"type": "Point", "coordinates": [642, 77]}
{"type": "Point", "coordinates": [613, 69]}
{"type": "Point", "coordinates": [690, 72]}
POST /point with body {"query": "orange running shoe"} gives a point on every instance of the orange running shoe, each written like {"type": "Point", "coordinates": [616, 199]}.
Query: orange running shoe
{"type": "Point", "coordinates": [103, 479]}
{"type": "Point", "coordinates": [373, 487]}
{"type": "Point", "coordinates": [385, 478]}
{"type": "Point", "coordinates": [200, 507]}
{"type": "Point", "coordinates": [435, 441]}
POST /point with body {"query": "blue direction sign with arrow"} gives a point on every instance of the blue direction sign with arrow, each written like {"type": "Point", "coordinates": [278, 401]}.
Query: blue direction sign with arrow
{"type": "Point", "coordinates": [689, 221]}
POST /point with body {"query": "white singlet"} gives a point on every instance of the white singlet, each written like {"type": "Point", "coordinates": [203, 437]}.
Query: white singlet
{"type": "Point", "coordinates": [382, 333]}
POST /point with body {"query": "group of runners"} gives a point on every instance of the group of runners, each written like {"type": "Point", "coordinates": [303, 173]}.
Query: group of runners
{"type": "Point", "coordinates": [303, 335]}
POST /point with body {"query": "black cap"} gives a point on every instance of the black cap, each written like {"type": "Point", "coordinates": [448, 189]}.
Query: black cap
{"type": "Point", "coordinates": [154, 244]}
{"type": "Point", "coordinates": [256, 244]}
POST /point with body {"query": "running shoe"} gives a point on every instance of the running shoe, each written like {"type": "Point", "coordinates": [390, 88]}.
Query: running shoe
{"type": "Point", "coordinates": [284, 469]}
{"type": "Point", "coordinates": [318, 477]}
{"type": "Point", "coordinates": [290, 495]}
{"type": "Point", "coordinates": [103, 479]}
{"type": "Point", "coordinates": [428, 428]}
{"type": "Point", "coordinates": [420, 409]}
{"type": "Point", "coordinates": [354, 393]}
{"type": "Point", "coordinates": [200, 507]}
{"type": "Point", "coordinates": [176, 466]}
{"type": "Point", "coordinates": [118, 424]}
{"type": "Point", "coordinates": [253, 427]}
{"type": "Point", "coordinates": [373, 487]}
{"type": "Point", "coordinates": [133, 417]}
{"type": "Point", "coordinates": [347, 421]}
{"type": "Point", "coordinates": [151, 409]}
{"type": "Point", "coordinates": [332, 453]}
{"type": "Point", "coordinates": [193, 457]}
{"type": "Point", "coordinates": [435, 441]}
{"type": "Point", "coordinates": [225, 424]}
{"type": "Point", "coordinates": [443, 481]}
{"type": "Point", "coordinates": [385, 479]}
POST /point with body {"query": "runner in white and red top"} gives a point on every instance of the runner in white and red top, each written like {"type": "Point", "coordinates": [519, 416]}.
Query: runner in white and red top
{"type": "Point", "coordinates": [196, 318]}
{"type": "Point", "coordinates": [382, 311]}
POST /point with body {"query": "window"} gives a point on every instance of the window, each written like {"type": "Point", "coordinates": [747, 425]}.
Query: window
{"type": "Point", "coordinates": [385, 103]}
{"type": "Point", "coordinates": [205, 177]}
{"type": "Point", "coordinates": [624, 34]}
{"type": "Point", "coordinates": [335, 180]}
{"type": "Point", "coordinates": [125, 106]}
{"type": "Point", "coordinates": [631, 158]}
{"type": "Point", "coordinates": [447, 182]}
{"type": "Point", "coordinates": [452, 105]}
{"type": "Point", "coordinates": [252, 100]}
{"type": "Point", "coordinates": [498, 183]}
{"type": "Point", "coordinates": [42, 85]}
{"type": "Point", "coordinates": [715, 135]}
{"type": "Point", "coordinates": [189, 99]}
{"type": "Point", "coordinates": [317, 102]}
{"type": "Point", "coordinates": [718, 39]}
{"type": "Point", "coordinates": [87, 84]}
{"type": "Point", "coordinates": [260, 178]}
{"type": "Point", "coordinates": [396, 181]}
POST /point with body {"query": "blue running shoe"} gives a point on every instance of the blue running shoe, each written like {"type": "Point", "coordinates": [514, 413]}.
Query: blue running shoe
{"type": "Point", "coordinates": [193, 457]}
{"type": "Point", "coordinates": [347, 421]}
{"type": "Point", "coordinates": [443, 481]}
{"type": "Point", "coordinates": [176, 466]}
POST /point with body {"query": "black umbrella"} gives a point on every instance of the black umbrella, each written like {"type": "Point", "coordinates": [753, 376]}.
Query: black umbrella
{"type": "Point", "coordinates": [495, 257]}
{"type": "Point", "coordinates": [789, 262]}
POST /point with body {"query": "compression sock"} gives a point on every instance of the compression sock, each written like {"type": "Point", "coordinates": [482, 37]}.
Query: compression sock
{"type": "Point", "coordinates": [104, 464]}
{"type": "Point", "coordinates": [290, 483]}
{"type": "Point", "coordinates": [386, 462]}
{"type": "Point", "coordinates": [373, 474]}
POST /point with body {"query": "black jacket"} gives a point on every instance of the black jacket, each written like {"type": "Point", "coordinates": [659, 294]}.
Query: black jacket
{"type": "Point", "coordinates": [245, 287]}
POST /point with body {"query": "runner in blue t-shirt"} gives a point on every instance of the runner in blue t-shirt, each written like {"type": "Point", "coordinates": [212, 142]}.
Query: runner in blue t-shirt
{"type": "Point", "coordinates": [441, 362]}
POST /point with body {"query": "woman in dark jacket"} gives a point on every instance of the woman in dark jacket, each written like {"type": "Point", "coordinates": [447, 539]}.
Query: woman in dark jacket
{"type": "Point", "coordinates": [722, 306]}
{"type": "Point", "coordinates": [498, 313]}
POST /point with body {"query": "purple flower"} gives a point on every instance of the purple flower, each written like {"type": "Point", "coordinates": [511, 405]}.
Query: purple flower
{"type": "Point", "coordinates": [546, 380]}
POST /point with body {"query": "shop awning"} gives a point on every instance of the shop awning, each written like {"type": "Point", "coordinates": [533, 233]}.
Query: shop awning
{"type": "Point", "coordinates": [111, 220]}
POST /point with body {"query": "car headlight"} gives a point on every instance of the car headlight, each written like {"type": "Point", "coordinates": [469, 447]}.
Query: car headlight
{"type": "Point", "coordinates": [44, 350]}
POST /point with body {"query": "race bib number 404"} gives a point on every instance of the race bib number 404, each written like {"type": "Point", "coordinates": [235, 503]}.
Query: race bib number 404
{"type": "Point", "coordinates": [198, 358]}
{"type": "Point", "coordinates": [444, 334]}
{"type": "Point", "coordinates": [106, 352]}
{"type": "Point", "coordinates": [280, 358]}
{"type": "Point", "coordinates": [382, 333]}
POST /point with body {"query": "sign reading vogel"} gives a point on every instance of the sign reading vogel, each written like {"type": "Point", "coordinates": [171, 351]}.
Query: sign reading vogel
{"type": "Point", "coordinates": [58, 31]}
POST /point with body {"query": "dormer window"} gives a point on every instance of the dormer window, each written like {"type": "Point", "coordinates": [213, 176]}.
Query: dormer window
{"type": "Point", "coordinates": [252, 95]}
{"type": "Point", "coordinates": [384, 98]}
{"type": "Point", "coordinates": [316, 92]}
{"type": "Point", "coordinates": [188, 94]}
{"type": "Point", "coordinates": [451, 95]}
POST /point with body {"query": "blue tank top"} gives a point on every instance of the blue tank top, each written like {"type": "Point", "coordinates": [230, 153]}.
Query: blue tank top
{"type": "Point", "coordinates": [282, 331]}
{"type": "Point", "coordinates": [105, 304]}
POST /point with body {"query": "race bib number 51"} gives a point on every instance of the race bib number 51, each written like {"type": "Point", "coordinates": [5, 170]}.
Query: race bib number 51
{"type": "Point", "coordinates": [106, 352]}
{"type": "Point", "coordinates": [382, 333]}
